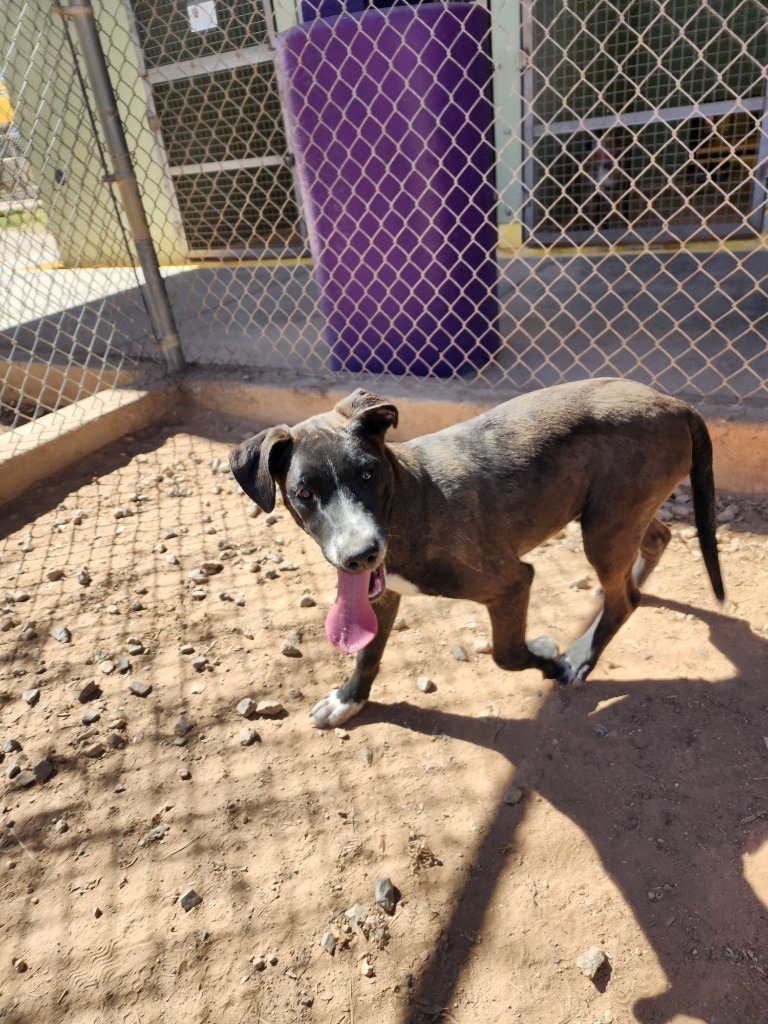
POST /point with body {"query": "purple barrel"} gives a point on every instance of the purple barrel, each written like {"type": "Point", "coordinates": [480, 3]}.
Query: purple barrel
{"type": "Point", "coordinates": [391, 122]}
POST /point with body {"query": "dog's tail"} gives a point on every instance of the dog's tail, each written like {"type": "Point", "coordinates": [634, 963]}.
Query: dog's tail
{"type": "Point", "coordinates": [703, 488]}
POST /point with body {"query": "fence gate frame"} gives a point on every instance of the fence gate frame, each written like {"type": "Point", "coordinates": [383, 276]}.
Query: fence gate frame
{"type": "Point", "coordinates": [260, 55]}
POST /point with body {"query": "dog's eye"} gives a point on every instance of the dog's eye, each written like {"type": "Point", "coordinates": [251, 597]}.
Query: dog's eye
{"type": "Point", "coordinates": [304, 494]}
{"type": "Point", "coordinates": [366, 475]}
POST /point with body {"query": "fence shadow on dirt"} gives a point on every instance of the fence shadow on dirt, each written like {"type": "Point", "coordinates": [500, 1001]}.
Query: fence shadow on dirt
{"type": "Point", "coordinates": [684, 781]}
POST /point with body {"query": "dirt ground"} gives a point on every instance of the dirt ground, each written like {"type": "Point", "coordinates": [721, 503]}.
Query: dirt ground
{"type": "Point", "coordinates": [641, 826]}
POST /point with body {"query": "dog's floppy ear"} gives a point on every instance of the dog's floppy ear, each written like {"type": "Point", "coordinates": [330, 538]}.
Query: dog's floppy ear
{"type": "Point", "coordinates": [256, 462]}
{"type": "Point", "coordinates": [368, 412]}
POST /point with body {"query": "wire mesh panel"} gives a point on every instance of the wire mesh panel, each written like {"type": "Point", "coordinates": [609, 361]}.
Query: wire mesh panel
{"type": "Point", "coordinates": [72, 316]}
{"type": "Point", "coordinates": [608, 217]}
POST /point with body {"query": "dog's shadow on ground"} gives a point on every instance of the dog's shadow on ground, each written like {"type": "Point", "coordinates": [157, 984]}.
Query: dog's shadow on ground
{"type": "Point", "coordinates": [673, 791]}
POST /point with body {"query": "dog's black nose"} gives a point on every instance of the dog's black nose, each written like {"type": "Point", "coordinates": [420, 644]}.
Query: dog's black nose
{"type": "Point", "coordinates": [363, 560]}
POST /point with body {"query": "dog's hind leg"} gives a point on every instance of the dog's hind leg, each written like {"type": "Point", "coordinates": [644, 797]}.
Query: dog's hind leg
{"type": "Point", "coordinates": [613, 557]}
{"type": "Point", "coordinates": [620, 598]}
{"type": "Point", "coordinates": [342, 704]}
{"type": "Point", "coordinates": [652, 547]}
{"type": "Point", "coordinates": [508, 616]}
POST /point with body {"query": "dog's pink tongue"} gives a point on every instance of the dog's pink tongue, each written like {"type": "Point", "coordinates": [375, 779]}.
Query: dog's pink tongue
{"type": "Point", "coordinates": [351, 622]}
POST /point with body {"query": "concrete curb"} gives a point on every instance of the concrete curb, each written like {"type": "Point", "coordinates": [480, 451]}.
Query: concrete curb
{"type": "Point", "coordinates": [45, 446]}
{"type": "Point", "coordinates": [739, 430]}
{"type": "Point", "coordinates": [741, 456]}
{"type": "Point", "coordinates": [270, 402]}
{"type": "Point", "coordinates": [47, 383]}
{"type": "Point", "coordinates": [35, 451]}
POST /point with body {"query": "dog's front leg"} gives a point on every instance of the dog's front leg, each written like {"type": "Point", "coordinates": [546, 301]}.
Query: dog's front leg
{"type": "Point", "coordinates": [509, 614]}
{"type": "Point", "coordinates": [342, 704]}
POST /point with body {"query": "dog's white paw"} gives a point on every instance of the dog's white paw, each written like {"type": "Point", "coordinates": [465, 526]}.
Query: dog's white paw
{"type": "Point", "coordinates": [332, 711]}
{"type": "Point", "coordinates": [567, 675]}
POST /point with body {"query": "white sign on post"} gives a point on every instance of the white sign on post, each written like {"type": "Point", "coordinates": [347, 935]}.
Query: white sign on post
{"type": "Point", "coordinates": [202, 16]}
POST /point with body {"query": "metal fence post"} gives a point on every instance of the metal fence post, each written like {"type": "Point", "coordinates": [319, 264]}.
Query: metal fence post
{"type": "Point", "coordinates": [124, 177]}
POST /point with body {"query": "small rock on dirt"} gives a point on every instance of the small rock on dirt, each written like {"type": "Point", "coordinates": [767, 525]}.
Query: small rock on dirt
{"type": "Point", "coordinates": [43, 770]}
{"type": "Point", "coordinates": [31, 697]}
{"type": "Point", "coordinates": [269, 708]}
{"type": "Point", "coordinates": [139, 688]}
{"type": "Point", "coordinates": [248, 736]}
{"type": "Point", "coordinates": [289, 650]}
{"type": "Point", "coordinates": [183, 725]}
{"type": "Point", "coordinates": [190, 899]}
{"type": "Point", "coordinates": [513, 795]}
{"type": "Point", "coordinates": [328, 942]}
{"type": "Point", "coordinates": [356, 915]}
{"type": "Point", "coordinates": [84, 578]}
{"type": "Point", "coordinates": [54, 575]}
{"type": "Point", "coordinates": [425, 684]}
{"type": "Point", "coordinates": [459, 653]}
{"type": "Point", "coordinates": [94, 750]}
{"type": "Point", "coordinates": [678, 509]}
{"type": "Point", "coordinates": [366, 754]}
{"type": "Point", "coordinates": [90, 691]}
{"type": "Point", "coordinates": [307, 601]}
{"type": "Point", "coordinates": [62, 634]}
{"type": "Point", "coordinates": [160, 831]}
{"type": "Point", "coordinates": [11, 746]}
{"type": "Point", "coordinates": [591, 962]}
{"type": "Point", "coordinates": [482, 647]}
{"type": "Point", "coordinates": [366, 969]}
{"type": "Point", "coordinates": [384, 894]}
{"type": "Point", "coordinates": [729, 513]}
{"type": "Point", "coordinates": [24, 779]}
{"type": "Point", "coordinates": [184, 774]}
{"type": "Point", "coordinates": [246, 707]}
{"type": "Point", "coordinates": [580, 583]}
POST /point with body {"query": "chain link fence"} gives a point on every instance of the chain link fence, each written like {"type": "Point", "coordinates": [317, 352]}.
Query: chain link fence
{"type": "Point", "coordinates": [73, 314]}
{"type": "Point", "coordinates": [509, 194]}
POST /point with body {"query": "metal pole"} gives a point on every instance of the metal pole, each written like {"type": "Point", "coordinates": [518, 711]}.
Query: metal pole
{"type": "Point", "coordinates": [124, 177]}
